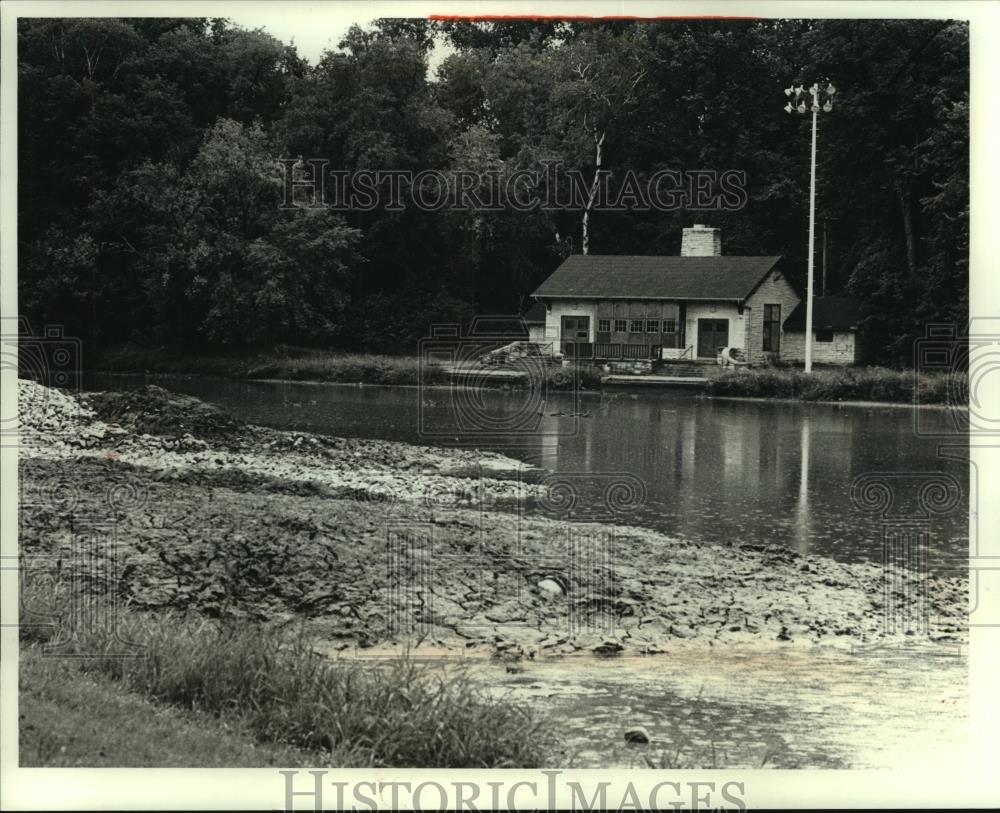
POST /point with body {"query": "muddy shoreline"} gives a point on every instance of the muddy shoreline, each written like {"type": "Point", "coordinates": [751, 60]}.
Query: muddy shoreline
{"type": "Point", "coordinates": [376, 543]}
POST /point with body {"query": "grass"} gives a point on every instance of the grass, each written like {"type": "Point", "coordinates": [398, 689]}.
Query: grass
{"type": "Point", "coordinates": [303, 364]}
{"type": "Point", "coordinates": [60, 729]}
{"type": "Point", "coordinates": [845, 384]}
{"type": "Point", "coordinates": [271, 686]}
{"type": "Point", "coordinates": [348, 368]}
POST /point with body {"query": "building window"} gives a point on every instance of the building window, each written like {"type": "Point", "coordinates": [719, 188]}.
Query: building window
{"type": "Point", "coordinates": [603, 325]}
{"type": "Point", "coordinates": [669, 326]}
{"type": "Point", "coordinates": [772, 328]}
{"type": "Point", "coordinates": [652, 325]}
{"type": "Point", "coordinates": [823, 335]}
{"type": "Point", "coordinates": [621, 325]}
{"type": "Point", "coordinates": [635, 326]}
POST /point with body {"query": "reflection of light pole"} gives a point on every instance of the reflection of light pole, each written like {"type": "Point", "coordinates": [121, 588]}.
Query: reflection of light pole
{"type": "Point", "coordinates": [801, 107]}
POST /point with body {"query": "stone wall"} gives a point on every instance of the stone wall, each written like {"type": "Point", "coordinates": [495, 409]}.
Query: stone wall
{"type": "Point", "coordinates": [775, 290]}
{"type": "Point", "coordinates": [842, 350]}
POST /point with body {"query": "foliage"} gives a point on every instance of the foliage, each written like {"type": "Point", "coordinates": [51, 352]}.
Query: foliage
{"type": "Point", "coordinates": [58, 729]}
{"type": "Point", "coordinates": [148, 186]}
{"type": "Point", "coordinates": [275, 685]}
{"type": "Point", "coordinates": [305, 364]}
{"type": "Point", "coordinates": [848, 384]}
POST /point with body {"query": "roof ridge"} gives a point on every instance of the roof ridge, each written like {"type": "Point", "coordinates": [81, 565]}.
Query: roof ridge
{"type": "Point", "coordinates": [658, 276]}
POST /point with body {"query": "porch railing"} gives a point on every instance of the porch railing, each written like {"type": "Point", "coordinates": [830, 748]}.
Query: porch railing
{"type": "Point", "coordinates": [611, 351]}
{"type": "Point", "coordinates": [678, 354]}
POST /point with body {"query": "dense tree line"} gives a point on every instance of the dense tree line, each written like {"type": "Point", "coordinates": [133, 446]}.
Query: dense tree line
{"type": "Point", "coordinates": [150, 195]}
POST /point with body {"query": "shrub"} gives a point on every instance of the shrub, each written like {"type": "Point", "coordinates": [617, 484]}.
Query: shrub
{"type": "Point", "coordinates": [392, 714]}
{"type": "Point", "coordinates": [846, 384]}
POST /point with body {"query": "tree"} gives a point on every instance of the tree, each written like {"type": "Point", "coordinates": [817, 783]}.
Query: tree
{"type": "Point", "coordinates": [218, 257]}
{"type": "Point", "coordinates": [599, 79]}
{"type": "Point", "coordinates": [148, 187]}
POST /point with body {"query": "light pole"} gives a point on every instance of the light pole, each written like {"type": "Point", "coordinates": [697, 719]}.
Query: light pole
{"type": "Point", "coordinates": [799, 105]}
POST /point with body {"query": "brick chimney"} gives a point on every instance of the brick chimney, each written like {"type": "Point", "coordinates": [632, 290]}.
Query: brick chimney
{"type": "Point", "coordinates": [701, 241]}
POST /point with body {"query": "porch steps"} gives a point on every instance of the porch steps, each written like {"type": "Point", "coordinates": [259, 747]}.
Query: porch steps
{"type": "Point", "coordinates": [654, 380]}
{"type": "Point", "coordinates": [681, 369]}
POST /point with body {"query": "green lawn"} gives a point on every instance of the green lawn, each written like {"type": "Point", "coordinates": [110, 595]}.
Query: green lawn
{"type": "Point", "coordinates": [213, 688]}
{"type": "Point", "coordinates": [75, 719]}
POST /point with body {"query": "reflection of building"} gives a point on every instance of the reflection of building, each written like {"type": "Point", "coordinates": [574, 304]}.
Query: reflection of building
{"type": "Point", "coordinates": [632, 308]}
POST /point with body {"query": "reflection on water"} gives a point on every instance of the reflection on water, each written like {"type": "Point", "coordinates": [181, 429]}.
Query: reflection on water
{"type": "Point", "coordinates": [727, 471]}
{"type": "Point", "coordinates": [802, 530]}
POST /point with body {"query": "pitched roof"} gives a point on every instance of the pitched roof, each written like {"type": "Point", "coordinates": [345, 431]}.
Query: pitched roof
{"type": "Point", "coordinates": [829, 313]}
{"type": "Point", "coordinates": [535, 315]}
{"type": "Point", "coordinates": [641, 277]}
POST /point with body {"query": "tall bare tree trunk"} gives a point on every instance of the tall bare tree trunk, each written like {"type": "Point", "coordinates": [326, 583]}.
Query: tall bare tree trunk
{"type": "Point", "coordinates": [598, 146]}
{"type": "Point", "coordinates": [903, 195]}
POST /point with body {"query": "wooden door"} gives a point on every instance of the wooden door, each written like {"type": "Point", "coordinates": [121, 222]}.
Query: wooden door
{"type": "Point", "coordinates": [713, 335]}
{"type": "Point", "coordinates": [575, 330]}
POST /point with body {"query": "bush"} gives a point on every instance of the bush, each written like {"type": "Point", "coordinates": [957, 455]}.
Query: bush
{"type": "Point", "coordinates": [352, 368]}
{"type": "Point", "coordinates": [846, 384]}
{"type": "Point", "coordinates": [393, 714]}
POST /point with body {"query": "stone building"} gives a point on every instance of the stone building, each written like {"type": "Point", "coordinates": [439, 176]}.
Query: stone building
{"type": "Point", "coordinates": [835, 331]}
{"type": "Point", "coordinates": [690, 307]}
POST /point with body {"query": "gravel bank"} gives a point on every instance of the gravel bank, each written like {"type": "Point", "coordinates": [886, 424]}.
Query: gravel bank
{"type": "Point", "coordinates": [377, 543]}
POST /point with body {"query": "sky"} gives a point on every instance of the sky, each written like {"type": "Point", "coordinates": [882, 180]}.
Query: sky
{"type": "Point", "coordinates": [316, 27]}
{"type": "Point", "coordinates": [312, 28]}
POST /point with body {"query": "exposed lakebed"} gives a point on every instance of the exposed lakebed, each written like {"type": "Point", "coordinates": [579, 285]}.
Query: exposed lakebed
{"type": "Point", "coordinates": [376, 546]}
{"type": "Point", "coordinates": [767, 472]}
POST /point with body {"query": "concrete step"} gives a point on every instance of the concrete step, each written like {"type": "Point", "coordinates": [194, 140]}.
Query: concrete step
{"type": "Point", "coordinates": [685, 369]}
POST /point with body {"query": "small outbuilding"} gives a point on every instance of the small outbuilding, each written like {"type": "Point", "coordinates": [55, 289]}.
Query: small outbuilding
{"type": "Point", "coordinates": [835, 331]}
{"type": "Point", "coordinates": [534, 319]}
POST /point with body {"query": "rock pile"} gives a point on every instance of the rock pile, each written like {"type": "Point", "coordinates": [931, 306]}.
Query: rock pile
{"type": "Point", "coordinates": [151, 410]}
{"type": "Point", "coordinates": [51, 418]}
{"type": "Point", "coordinates": [180, 435]}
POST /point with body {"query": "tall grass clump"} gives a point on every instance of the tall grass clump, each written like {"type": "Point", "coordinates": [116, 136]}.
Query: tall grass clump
{"type": "Point", "coordinates": [844, 384]}
{"type": "Point", "coordinates": [353, 368]}
{"type": "Point", "coordinates": [396, 713]}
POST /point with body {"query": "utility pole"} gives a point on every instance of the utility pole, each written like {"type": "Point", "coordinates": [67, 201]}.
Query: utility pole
{"type": "Point", "coordinates": [801, 107]}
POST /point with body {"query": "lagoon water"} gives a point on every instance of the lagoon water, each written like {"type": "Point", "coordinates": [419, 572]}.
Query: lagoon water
{"type": "Point", "coordinates": [719, 470]}
{"type": "Point", "coordinates": [726, 471]}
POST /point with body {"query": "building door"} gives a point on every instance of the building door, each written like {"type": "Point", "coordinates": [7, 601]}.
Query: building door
{"type": "Point", "coordinates": [713, 335]}
{"type": "Point", "coordinates": [575, 330]}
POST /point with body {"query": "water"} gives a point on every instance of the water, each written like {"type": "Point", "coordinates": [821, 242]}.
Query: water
{"type": "Point", "coordinates": [725, 471]}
